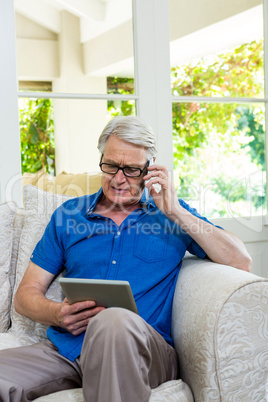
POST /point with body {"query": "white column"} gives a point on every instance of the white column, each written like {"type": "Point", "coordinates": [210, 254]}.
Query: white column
{"type": "Point", "coordinates": [78, 123]}
{"type": "Point", "coordinates": [10, 162]}
{"type": "Point", "coordinates": [152, 72]}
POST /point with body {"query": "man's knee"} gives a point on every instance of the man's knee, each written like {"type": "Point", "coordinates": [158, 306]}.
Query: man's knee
{"type": "Point", "coordinates": [114, 322]}
{"type": "Point", "coordinates": [114, 319]}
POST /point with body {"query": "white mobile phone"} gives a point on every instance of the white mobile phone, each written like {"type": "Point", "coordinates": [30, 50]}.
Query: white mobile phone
{"type": "Point", "coordinates": [156, 186]}
{"type": "Point", "coordinates": [147, 190]}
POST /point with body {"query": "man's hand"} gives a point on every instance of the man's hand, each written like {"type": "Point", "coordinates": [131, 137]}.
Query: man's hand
{"type": "Point", "coordinates": [166, 200]}
{"type": "Point", "coordinates": [75, 317]}
{"type": "Point", "coordinates": [30, 300]}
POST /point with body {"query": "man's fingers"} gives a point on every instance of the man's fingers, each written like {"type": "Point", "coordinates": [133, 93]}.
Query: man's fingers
{"type": "Point", "coordinates": [79, 306]}
{"type": "Point", "coordinates": [158, 168]}
{"type": "Point", "coordinates": [77, 321]}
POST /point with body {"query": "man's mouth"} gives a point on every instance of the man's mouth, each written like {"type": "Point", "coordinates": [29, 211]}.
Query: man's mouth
{"type": "Point", "coordinates": [120, 190]}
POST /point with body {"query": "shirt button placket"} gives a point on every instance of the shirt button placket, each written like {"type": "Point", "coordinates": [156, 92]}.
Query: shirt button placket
{"type": "Point", "coordinates": [116, 252]}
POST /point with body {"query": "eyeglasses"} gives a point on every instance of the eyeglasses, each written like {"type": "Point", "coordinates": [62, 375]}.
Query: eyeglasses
{"type": "Point", "coordinates": [127, 170]}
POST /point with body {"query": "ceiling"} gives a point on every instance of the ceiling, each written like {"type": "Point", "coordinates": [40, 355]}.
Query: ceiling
{"type": "Point", "coordinates": [96, 16]}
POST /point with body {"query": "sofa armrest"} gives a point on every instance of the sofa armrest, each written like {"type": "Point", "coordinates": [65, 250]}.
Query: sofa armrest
{"type": "Point", "coordinates": [220, 331]}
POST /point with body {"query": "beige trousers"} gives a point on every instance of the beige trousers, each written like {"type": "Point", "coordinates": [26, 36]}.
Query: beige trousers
{"type": "Point", "coordinates": [122, 359]}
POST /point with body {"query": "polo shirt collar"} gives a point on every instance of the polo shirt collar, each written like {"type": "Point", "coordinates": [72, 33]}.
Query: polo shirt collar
{"type": "Point", "coordinates": [95, 198]}
{"type": "Point", "coordinates": [146, 204]}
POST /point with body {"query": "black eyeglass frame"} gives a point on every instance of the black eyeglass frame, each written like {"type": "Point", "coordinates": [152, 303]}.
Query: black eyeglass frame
{"type": "Point", "coordinates": [122, 168]}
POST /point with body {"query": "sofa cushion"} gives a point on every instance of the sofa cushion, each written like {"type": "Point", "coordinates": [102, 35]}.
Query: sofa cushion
{"type": "Point", "coordinates": [39, 206]}
{"type": "Point", "coordinates": [13, 340]}
{"type": "Point", "coordinates": [75, 184]}
{"type": "Point", "coordinates": [40, 179]}
{"type": "Point", "coordinates": [171, 391]}
{"type": "Point", "coordinates": [17, 229]}
{"type": "Point", "coordinates": [7, 213]}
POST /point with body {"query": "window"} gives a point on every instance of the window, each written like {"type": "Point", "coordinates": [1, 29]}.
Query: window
{"type": "Point", "coordinates": [85, 62]}
{"type": "Point", "coordinates": [217, 83]}
{"type": "Point", "coordinates": [201, 34]}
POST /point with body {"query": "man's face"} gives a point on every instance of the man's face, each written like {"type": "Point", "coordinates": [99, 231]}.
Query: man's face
{"type": "Point", "coordinates": [119, 189]}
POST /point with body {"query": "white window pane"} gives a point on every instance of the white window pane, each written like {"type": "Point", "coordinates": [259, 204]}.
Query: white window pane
{"type": "Point", "coordinates": [216, 48]}
{"type": "Point", "coordinates": [62, 134]}
{"type": "Point", "coordinates": [76, 50]}
{"type": "Point", "coordinates": [219, 157]}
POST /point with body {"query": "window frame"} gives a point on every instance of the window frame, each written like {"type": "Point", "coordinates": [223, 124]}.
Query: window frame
{"type": "Point", "coordinates": [152, 87]}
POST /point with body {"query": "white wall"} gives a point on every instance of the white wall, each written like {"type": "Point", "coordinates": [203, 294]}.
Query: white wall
{"type": "Point", "coordinates": [189, 16]}
{"type": "Point", "coordinates": [10, 166]}
{"type": "Point", "coordinates": [37, 51]}
{"type": "Point", "coordinates": [78, 123]}
{"type": "Point", "coordinates": [253, 231]}
{"type": "Point", "coordinates": [106, 54]}
{"type": "Point", "coordinates": [28, 29]}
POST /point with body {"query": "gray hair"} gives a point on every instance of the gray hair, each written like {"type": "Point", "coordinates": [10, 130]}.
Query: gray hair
{"type": "Point", "coordinates": [130, 129]}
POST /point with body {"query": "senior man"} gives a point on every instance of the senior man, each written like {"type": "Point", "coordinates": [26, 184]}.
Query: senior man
{"type": "Point", "coordinates": [114, 354]}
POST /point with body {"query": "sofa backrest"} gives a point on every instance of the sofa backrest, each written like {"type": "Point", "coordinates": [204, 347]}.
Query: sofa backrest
{"type": "Point", "coordinates": [7, 213]}
{"type": "Point", "coordinates": [72, 184]}
{"type": "Point", "coordinates": [39, 206]}
{"type": "Point", "coordinates": [28, 227]}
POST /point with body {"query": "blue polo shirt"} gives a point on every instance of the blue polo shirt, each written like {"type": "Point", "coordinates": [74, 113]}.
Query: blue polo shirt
{"type": "Point", "coordinates": [146, 250]}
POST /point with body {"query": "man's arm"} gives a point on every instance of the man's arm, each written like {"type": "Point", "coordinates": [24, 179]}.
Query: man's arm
{"type": "Point", "coordinates": [30, 300]}
{"type": "Point", "coordinates": [220, 246]}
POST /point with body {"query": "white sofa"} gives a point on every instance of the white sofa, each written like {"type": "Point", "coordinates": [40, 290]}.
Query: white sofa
{"type": "Point", "coordinates": [219, 320]}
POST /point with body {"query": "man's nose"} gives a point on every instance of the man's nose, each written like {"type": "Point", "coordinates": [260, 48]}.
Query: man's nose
{"type": "Point", "coordinates": [119, 176]}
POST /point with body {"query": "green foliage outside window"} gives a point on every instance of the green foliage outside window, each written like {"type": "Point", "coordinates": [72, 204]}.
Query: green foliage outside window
{"type": "Point", "coordinates": [123, 86]}
{"type": "Point", "coordinates": [37, 135]}
{"type": "Point", "coordinates": [238, 73]}
{"type": "Point", "coordinates": [202, 130]}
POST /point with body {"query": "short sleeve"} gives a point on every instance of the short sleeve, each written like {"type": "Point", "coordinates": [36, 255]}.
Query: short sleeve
{"type": "Point", "coordinates": [49, 253]}
{"type": "Point", "coordinates": [193, 246]}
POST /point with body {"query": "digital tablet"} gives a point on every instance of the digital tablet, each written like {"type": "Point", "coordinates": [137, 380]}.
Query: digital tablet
{"type": "Point", "coordinates": [106, 293]}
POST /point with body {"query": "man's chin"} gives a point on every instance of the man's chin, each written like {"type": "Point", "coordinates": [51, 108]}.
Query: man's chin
{"type": "Point", "coordinates": [122, 200]}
